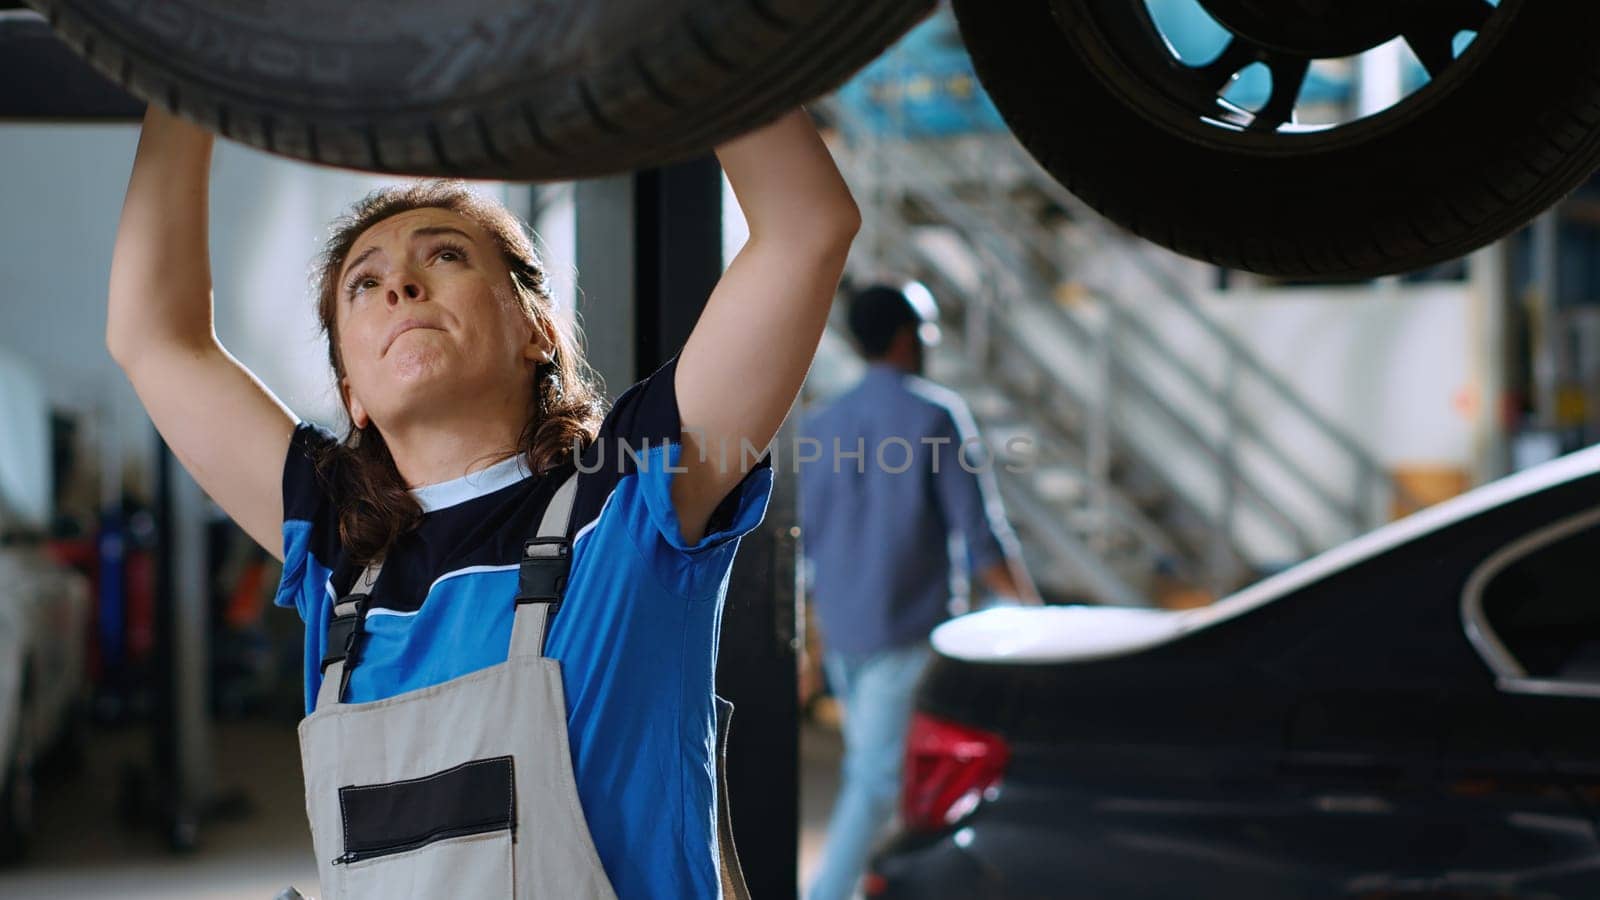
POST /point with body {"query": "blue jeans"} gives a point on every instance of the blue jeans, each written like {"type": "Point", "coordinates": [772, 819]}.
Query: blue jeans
{"type": "Point", "coordinates": [876, 692]}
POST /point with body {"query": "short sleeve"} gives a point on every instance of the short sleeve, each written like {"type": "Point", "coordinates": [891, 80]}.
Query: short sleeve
{"type": "Point", "coordinates": [737, 515]}
{"type": "Point", "coordinates": [310, 520]}
{"type": "Point", "coordinates": [644, 433]}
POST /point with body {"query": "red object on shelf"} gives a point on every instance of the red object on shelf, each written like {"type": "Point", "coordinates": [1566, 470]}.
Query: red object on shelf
{"type": "Point", "coordinates": [139, 619]}
{"type": "Point", "coordinates": [77, 553]}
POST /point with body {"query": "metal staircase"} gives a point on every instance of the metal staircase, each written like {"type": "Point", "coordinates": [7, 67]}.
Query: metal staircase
{"type": "Point", "coordinates": [1161, 446]}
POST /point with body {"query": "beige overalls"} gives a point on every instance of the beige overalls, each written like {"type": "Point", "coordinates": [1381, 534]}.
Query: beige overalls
{"type": "Point", "coordinates": [463, 789]}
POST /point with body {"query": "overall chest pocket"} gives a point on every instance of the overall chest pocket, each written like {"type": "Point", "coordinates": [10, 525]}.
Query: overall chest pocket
{"type": "Point", "coordinates": [448, 834]}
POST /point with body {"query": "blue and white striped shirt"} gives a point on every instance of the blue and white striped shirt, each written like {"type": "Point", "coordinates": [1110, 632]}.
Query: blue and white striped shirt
{"type": "Point", "coordinates": [636, 635]}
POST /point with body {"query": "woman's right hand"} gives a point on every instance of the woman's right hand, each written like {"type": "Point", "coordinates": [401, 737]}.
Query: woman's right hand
{"type": "Point", "coordinates": [226, 428]}
{"type": "Point", "coordinates": [160, 273]}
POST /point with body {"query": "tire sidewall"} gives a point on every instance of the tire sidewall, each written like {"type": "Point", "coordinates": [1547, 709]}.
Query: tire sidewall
{"type": "Point", "coordinates": [1220, 203]}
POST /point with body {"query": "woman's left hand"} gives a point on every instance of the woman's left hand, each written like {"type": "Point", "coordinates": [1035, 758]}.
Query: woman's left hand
{"type": "Point", "coordinates": [744, 362]}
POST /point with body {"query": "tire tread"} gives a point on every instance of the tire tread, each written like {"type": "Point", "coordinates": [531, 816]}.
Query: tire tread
{"type": "Point", "coordinates": [620, 114]}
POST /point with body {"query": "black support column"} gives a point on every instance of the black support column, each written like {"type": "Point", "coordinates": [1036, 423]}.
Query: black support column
{"type": "Point", "coordinates": [180, 792]}
{"type": "Point", "coordinates": [41, 79]}
{"type": "Point", "coordinates": [649, 253]}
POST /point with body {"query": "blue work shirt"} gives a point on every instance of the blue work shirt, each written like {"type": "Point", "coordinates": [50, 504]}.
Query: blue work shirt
{"type": "Point", "coordinates": [876, 528]}
{"type": "Point", "coordinates": [636, 634]}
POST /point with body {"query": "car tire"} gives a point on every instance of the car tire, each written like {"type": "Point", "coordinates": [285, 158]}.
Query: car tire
{"type": "Point", "coordinates": [1458, 164]}
{"type": "Point", "coordinates": [481, 88]}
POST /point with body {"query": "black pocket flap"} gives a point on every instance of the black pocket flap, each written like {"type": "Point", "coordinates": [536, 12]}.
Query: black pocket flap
{"type": "Point", "coordinates": [472, 798]}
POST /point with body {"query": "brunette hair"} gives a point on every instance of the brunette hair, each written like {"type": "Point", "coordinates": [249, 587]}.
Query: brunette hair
{"type": "Point", "coordinates": [374, 504]}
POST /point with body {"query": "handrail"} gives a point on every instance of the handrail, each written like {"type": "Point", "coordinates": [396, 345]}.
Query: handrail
{"type": "Point", "coordinates": [1260, 497]}
{"type": "Point", "coordinates": [1126, 511]}
{"type": "Point", "coordinates": [1018, 344]}
{"type": "Point", "coordinates": [1033, 514]}
{"type": "Point", "coordinates": [1130, 378]}
{"type": "Point", "coordinates": [1356, 514]}
{"type": "Point", "coordinates": [1174, 290]}
{"type": "Point", "coordinates": [1272, 380]}
{"type": "Point", "coordinates": [1352, 512]}
{"type": "Point", "coordinates": [1101, 579]}
{"type": "Point", "coordinates": [925, 173]}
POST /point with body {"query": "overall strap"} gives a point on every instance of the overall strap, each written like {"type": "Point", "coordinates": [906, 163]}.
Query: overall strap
{"type": "Point", "coordinates": [542, 574]}
{"type": "Point", "coordinates": [344, 637]}
{"type": "Point", "coordinates": [541, 583]}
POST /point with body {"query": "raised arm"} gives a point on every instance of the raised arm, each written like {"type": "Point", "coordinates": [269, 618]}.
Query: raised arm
{"type": "Point", "coordinates": [223, 425]}
{"type": "Point", "coordinates": [745, 360]}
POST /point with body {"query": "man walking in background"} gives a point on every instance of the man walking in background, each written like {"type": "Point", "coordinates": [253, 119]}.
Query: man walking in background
{"type": "Point", "coordinates": [901, 471]}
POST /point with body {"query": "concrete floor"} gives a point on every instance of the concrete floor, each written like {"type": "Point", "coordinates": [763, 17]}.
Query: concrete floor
{"type": "Point", "coordinates": [83, 853]}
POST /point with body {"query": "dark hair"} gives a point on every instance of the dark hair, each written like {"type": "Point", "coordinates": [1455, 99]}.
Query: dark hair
{"type": "Point", "coordinates": [375, 506]}
{"type": "Point", "coordinates": [877, 314]}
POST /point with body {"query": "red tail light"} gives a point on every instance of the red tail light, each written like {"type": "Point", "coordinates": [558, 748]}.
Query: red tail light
{"type": "Point", "coordinates": [948, 768]}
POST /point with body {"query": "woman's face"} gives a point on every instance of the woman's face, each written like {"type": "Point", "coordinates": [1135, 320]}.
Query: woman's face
{"type": "Point", "coordinates": [428, 323]}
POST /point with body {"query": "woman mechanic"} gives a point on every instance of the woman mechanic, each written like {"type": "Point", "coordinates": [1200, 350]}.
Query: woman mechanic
{"type": "Point", "coordinates": [511, 595]}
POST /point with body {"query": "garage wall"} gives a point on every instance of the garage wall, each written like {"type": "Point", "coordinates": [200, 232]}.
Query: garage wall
{"type": "Point", "coordinates": [60, 197]}
{"type": "Point", "coordinates": [1393, 364]}
{"type": "Point", "coordinates": [1390, 366]}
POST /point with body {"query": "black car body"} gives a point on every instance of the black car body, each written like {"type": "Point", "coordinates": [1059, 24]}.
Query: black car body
{"type": "Point", "coordinates": [1413, 714]}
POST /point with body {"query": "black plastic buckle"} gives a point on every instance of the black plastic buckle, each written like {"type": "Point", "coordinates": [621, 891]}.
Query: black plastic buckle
{"type": "Point", "coordinates": [542, 577]}
{"type": "Point", "coordinates": [343, 631]}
